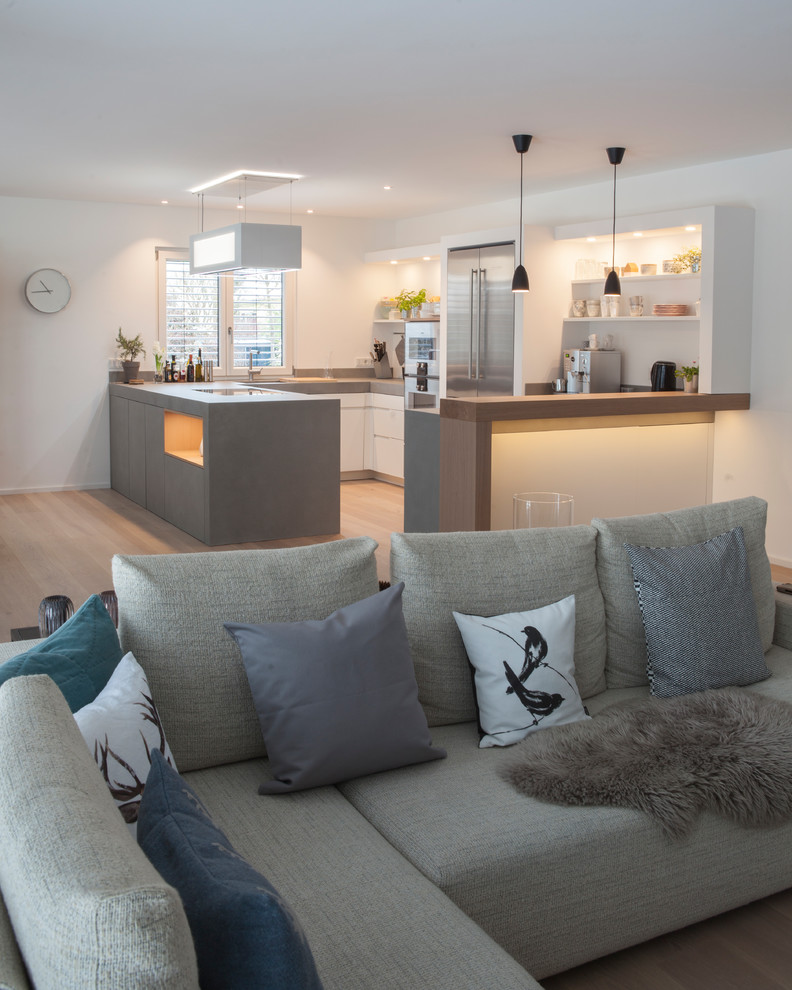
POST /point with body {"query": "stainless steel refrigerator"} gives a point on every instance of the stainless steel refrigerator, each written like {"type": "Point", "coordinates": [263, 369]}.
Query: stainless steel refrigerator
{"type": "Point", "coordinates": [480, 321]}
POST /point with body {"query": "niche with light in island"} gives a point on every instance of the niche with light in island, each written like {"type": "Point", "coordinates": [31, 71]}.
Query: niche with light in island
{"type": "Point", "coordinates": [184, 437]}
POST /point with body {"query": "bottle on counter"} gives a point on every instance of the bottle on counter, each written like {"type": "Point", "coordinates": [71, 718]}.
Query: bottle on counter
{"type": "Point", "coordinates": [199, 374]}
{"type": "Point", "coordinates": [190, 369]}
{"type": "Point", "coordinates": [174, 374]}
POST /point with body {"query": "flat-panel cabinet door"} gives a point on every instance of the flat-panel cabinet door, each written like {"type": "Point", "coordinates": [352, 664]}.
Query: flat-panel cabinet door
{"type": "Point", "coordinates": [119, 444]}
{"type": "Point", "coordinates": [137, 452]}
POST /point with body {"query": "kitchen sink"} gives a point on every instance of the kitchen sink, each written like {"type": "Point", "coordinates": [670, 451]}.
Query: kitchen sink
{"type": "Point", "coordinates": [252, 390]}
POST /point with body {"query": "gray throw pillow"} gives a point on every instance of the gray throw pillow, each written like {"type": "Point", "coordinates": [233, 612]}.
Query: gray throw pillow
{"type": "Point", "coordinates": [699, 615]}
{"type": "Point", "coordinates": [336, 698]}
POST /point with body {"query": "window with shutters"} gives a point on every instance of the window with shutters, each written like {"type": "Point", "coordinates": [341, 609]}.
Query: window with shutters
{"type": "Point", "coordinates": [233, 319]}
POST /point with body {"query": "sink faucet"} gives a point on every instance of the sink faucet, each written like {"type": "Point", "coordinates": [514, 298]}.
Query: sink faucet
{"type": "Point", "coordinates": [251, 372]}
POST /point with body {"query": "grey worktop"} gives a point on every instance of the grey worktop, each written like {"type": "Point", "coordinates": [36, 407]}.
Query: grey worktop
{"type": "Point", "coordinates": [162, 394]}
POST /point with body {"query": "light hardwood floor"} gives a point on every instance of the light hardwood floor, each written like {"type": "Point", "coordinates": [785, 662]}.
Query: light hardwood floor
{"type": "Point", "coordinates": [62, 543]}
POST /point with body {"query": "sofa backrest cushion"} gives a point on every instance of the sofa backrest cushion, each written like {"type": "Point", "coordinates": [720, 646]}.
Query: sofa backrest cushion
{"type": "Point", "coordinates": [627, 656]}
{"type": "Point", "coordinates": [88, 908]}
{"type": "Point", "coordinates": [171, 613]}
{"type": "Point", "coordinates": [490, 573]}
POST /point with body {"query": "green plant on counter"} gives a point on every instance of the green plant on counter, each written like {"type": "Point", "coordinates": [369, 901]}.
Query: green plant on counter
{"type": "Point", "coordinates": [129, 347]}
{"type": "Point", "coordinates": [407, 300]}
{"type": "Point", "coordinates": [688, 372]}
{"type": "Point", "coordinates": [689, 260]}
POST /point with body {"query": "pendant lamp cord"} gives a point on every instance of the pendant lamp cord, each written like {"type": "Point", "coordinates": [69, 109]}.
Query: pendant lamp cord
{"type": "Point", "coordinates": [522, 156]}
{"type": "Point", "coordinates": [613, 241]}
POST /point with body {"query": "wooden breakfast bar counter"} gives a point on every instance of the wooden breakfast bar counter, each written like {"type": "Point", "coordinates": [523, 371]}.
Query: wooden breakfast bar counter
{"type": "Point", "coordinates": [616, 453]}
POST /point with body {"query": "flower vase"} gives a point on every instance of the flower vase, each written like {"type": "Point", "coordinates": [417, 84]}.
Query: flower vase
{"type": "Point", "coordinates": [692, 385]}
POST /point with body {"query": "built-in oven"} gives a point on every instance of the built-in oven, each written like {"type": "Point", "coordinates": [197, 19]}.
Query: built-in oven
{"type": "Point", "coordinates": [421, 364]}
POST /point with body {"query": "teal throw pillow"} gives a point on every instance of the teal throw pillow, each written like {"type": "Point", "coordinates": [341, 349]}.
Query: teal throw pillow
{"type": "Point", "coordinates": [245, 935]}
{"type": "Point", "coordinates": [80, 656]}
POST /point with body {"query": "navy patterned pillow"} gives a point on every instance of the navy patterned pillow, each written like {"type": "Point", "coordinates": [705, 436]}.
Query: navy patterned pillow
{"type": "Point", "coordinates": [699, 615]}
{"type": "Point", "coordinates": [245, 935]}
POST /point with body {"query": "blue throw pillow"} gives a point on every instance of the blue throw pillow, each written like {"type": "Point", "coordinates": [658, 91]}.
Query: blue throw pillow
{"type": "Point", "coordinates": [80, 656]}
{"type": "Point", "coordinates": [245, 935]}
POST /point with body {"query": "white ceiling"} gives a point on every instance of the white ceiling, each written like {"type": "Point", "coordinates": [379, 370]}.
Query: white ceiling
{"type": "Point", "coordinates": [138, 102]}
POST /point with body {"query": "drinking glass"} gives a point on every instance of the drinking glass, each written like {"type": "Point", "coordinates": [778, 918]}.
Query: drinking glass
{"type": "Point", "coordinates": [53, 612]}
{"type": "Point", "coordinates": [534, 510]}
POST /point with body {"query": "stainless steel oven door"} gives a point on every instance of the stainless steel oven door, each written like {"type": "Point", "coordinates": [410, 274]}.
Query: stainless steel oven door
{"type": "Point", "coordinates": [421, 348]}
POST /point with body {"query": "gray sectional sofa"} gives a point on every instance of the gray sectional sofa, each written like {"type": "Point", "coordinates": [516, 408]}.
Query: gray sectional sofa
{"type": "Point", "coordinates": [438, 874]}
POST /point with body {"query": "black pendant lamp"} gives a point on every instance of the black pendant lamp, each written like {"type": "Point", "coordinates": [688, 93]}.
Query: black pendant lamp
{"type": "Point", "coordinates": [522, 142]}
{"type": "Point", "coordinates": [612, 283]}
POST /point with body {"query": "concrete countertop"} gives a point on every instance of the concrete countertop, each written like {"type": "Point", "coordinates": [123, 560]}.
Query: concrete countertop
{"type": "Point", "coordinates": [275, 390]}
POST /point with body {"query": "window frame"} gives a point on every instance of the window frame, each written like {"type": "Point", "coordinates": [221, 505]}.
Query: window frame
{"type": "Point", "coordinates": [226, 317]}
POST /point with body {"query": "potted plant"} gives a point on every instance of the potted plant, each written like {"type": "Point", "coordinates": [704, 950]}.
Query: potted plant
{"type": "Point", "coordinates": [129, 348]}
{"type": "Point", "coordinates": [409, 301]}
{"type": "Point", "coordinates": [690, 374]}
{"type": "Point", "coordinates": [689, 260]}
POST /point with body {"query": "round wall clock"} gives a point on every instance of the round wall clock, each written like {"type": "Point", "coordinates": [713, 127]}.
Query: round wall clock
{"type": "Point", "coordinates": [47, 290]}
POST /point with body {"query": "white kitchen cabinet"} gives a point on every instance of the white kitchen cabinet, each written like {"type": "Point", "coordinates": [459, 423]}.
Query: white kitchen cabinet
{"type": "Point", "coordinates": [385, 440]}
{"type": "Point", "coordinates": [354, 411]}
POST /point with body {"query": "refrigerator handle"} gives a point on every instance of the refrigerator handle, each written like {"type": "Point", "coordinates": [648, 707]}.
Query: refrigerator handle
{"type": "Point", "coordinates": [471, 311]}
{"type": "Point", "coordinates": [482, 279]}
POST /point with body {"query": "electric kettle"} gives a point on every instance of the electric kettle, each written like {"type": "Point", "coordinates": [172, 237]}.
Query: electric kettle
{"type": "Point", "coordinates": [662, 376]}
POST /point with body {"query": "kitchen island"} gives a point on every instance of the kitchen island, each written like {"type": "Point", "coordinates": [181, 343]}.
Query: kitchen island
{"type": "Point", "coordinates": [617, 453]}
{"type": "Point", "coordinates": [228, 463]}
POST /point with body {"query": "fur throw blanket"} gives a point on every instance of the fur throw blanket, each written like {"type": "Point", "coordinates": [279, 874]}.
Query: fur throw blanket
{"type": "Point", "coordinates": [727, 751]}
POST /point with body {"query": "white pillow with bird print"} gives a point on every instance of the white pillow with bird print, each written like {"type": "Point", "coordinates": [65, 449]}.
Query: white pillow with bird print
{"type": "Point", "coordinates": [524, 670]}
{"type": "Point", "coordinates": [121, 727]}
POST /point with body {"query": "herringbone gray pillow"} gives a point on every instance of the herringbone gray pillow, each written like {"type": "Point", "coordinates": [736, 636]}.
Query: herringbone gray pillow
{"type": "Point", "coordinates": [699, 615]}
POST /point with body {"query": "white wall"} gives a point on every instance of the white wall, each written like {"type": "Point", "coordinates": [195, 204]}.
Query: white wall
{"type": "Point", "coordinates": [54, 367]}
{"type": "Point", "coordinates": [753, 450]}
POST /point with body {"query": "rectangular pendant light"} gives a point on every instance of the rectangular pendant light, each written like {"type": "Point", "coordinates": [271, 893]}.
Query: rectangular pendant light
{"type": "Point", "coordinates": [265, 246]}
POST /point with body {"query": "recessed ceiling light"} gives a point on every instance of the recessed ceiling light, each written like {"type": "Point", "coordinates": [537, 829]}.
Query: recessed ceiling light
{"type": "Point", "coordinates": [427, 258]}
{"type": "Point", "coordinates": [164, 202]}
{"type": "Point", "coordinates": [637, 233]}
{"type": "Point", "coordinates": [591, 240]}
{"type": "Point", "coordinates": [238, 174]}
{"type": "Point", "coordinates": [309, 211]}
{"type": "Point", "coordinates": [387, 187]}
{"type": "Point", "coordinates": [691, 228]}
{"type": "Point", "coordinates": [394, 261]}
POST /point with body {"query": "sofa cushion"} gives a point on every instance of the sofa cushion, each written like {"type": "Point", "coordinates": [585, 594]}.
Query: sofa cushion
{"type": "Point", "coordinates": [88, 908]}
{"type": "Point", "coordinates": [79, 656]}
{"type": "Point", "coordinates": [489, 574]}
{"type": "Point", "coordinates": [337, 697]}
{"type": "Point", "coordinates": [699, 615]}
{"type": "Point", "coordinates": [171, 613]}
{"type": "Point", "coordinates": [122, 728]}
{"type": "Point", "coordinates": [524, 670]}
{"type": "Point", "coordinates": [558, 886]}
{"type": "Point", "coordinates": [245, 935]}
{"type": "Point", "coordinates": [627, 656]}
{"type": "Point", "coordinates": [372, 920]}
{"type": "Point", "coordinates": [12, 969]}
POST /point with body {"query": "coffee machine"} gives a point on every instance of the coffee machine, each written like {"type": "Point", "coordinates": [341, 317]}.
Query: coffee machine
{"type": "Point", "coordinates": [592, 371]}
